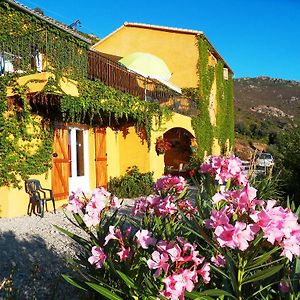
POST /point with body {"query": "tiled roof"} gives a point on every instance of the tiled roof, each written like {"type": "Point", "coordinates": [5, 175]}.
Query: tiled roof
{"type": "Point", "coordinates": [49, 20]}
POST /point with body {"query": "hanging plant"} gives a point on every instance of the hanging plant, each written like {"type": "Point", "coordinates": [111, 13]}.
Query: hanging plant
{"type": "Point", "coordinates": [162, 145]}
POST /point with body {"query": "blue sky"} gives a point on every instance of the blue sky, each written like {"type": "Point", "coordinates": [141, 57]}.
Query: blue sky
{"type": "Point", "coordinates": [255, 37]}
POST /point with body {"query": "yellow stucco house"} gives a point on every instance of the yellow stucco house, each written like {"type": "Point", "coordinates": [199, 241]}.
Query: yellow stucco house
{"type": "Point", "coordinates": [176, 46]}
{"type": "Point", "coordinates": [192, 59]}
{"type": "Point", "coordinates": [70, 117]}
{"type": "Point", "coordinates": [73, 116]}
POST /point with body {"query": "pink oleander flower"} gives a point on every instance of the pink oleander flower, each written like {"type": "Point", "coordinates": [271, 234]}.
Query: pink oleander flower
{"type": "Point", "coordinates": [101, 196]}
{"type": "Point", "coordinates": [218, 260]}
{"type": "Point", "coordinates": [124, 253]}
{"type": "Point", "coordinates": [111, 235]}
{"type": "Point", "coordinates": [177, 283]}
{"type": "Point", "coordinates": [224, 169]}
{"type": "Point", "coordinates": [115, 202]}
{"type": "Point", "coordinates": [279, 226]}
{"type": "Point", "coordinates": [170, 185]}
{"type": "Point", "coordinates": [205, 272]}
{"type": "Point", "coordinates": [145, 239]}
{"type": "Point", "coordinates": [98, 257]}
{"type": "Point", "coordinates": [92, 219]}
{"type": "Point", "coordinates": [159, 262]}
{"type": "Point", "coordinates": [166, 207]}
{"type": "Point", "coordinates": [243, 234]}
{"type": "Point", "coordinates": [217, 218]}
{"type": "Point", "coordinates": [140, 207]}
{"type": "Point", "coordinates": [236, 236]}
{"type": "Point", "coordinates": [99, 200]}
{"type": "Point", "coordinates": [169, 248]}
{"type": "Point", "coordinates": [76, 201]}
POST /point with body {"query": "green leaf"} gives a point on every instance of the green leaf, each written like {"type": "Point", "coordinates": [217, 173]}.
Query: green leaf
{"type": "Point", "coordinates": [261, 259]}
{"type": "Point", "coordinates": [129, 282]}
{"type": "Point", "coordinates": [103, 291]}
{"type": "Point", "coordinates": [219, 271]}
{"type": "Point", "coordinates": [72, 282]}
{"type": "Point", "coordinates": [263, 274]}
{"type": "Point", "coordinates": [84, 243]}
{"type": "Point", "coordinates": [215, 292]}
{"type": "Point", "coordinates": [80, 222]}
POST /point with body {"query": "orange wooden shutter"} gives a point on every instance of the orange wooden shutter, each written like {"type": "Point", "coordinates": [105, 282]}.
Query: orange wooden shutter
{"type": "Point", "coordinates": [61, 164]}
{"type": "Point", "coordinates": [100, 157]}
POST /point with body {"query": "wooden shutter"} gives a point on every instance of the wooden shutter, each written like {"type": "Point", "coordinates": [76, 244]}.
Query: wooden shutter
{"type": "Point", "coordinates": [100, 157]}
{"type": "Point", "coordinates": [61, 164]}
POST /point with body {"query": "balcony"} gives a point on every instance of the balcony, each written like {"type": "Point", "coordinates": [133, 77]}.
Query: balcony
{"type": "Point", "coordinates": [46, 51]}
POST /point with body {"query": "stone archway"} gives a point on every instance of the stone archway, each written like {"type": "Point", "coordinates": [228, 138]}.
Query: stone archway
{"type": "Point", "coordinates": [177, 158]}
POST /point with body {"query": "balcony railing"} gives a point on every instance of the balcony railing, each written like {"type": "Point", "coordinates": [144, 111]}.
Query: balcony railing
{"type": "Point", "coordinates": [115, 75]}
{"type": "Point", "coordinates": [45, 51]}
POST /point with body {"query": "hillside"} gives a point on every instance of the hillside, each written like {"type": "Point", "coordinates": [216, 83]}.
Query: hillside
{"type": "Point", "coordinates": [263, 107]}
{"type": "Point", "coordinates": [265, 98]}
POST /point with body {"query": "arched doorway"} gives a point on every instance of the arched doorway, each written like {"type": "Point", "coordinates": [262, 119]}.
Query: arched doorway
{"type": "Point", "coordinates": [177, 158]}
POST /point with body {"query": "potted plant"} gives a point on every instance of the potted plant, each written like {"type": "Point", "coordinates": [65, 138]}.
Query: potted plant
{"type": "Point", "coordinates": [162, 145]}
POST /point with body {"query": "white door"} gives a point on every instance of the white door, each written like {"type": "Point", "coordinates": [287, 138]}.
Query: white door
{"type": "Point", "coordinates": [79, 159]}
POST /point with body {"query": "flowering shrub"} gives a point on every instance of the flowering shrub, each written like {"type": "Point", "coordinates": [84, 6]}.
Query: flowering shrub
{"type": "Point", "coordinates": [162, 145]}
{"type": "Point", "coordinates": [235, 246]}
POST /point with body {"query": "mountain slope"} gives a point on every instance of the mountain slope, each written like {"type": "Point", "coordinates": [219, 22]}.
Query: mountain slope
{"type": "Point", "coordinates": [265, 98]}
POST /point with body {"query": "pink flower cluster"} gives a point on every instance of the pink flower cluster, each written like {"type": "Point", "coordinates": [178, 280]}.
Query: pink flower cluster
{"type": "Point", "coordinates": [239, 201]}
{"type": "Point", "coordinates": [239, 216]}
{"type": "Point", "coordinates": [223, 169]}
{"type": "Point", "coordinates": [77, 201]}
{"type": "Point", "coordinates": [235, 236]}
{"type": "Point", "coordinates": [165, 202]}
{"type": "Point", "coordinates": [281, 226]}
{"type": "Point", "coordinates": [170, 185]}
{"type": "Point", "coordinates": [92, 204]}
{"type": "Point", "coordinates": [180, 265]}
{"type": "Point", "coordinates": [161, 207]}
{"type": "Point", "coordinates": [98, 257]}
{"type": "Point", "coordinates": [116, 234]}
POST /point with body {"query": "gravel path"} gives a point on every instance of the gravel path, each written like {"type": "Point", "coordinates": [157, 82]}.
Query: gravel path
{"type": "Point", "coordinates": [34, 253]}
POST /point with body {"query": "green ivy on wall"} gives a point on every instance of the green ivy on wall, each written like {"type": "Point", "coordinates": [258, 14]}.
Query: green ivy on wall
{"type": "Point", "coordinates": [204, 130]}
{"type": "Point", "coordinates": [24, 36]}
{"type": "Point", "coordinates": [25, 139]}
{"type": "Point", "coordinates": [98, 101]}
{"type": "Point", "coordinates": [224, 129]}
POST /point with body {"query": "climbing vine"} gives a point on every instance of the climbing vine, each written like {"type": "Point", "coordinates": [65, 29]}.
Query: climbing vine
{"type": "Point", "coordinates": [26, 41]}
{"type": "Point", "coordinates": [204, 128]}
{"type": "Point", "coordinates": [25, 139]}
{"type": "Point", "coordinates": [98, 102]}
{"type": "Point", "coordinates": [224, 129]}
{"type": "Point", "coordinates": [201, 123]}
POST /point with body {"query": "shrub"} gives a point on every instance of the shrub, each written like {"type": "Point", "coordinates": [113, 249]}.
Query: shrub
{"type": "Point", "coordinates": [133, 184]}
{"type": "Point", "coordinates": [162, 250]}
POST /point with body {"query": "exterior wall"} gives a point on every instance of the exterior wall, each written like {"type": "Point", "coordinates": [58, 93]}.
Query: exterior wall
{"type": "Point", "coordinates": [178, 50]}
{"type": "Point", "coordinates": [133, 151]}
{"type": "Point", "coordinates": [123, 151]}
{"type": "Point", "coordinates": [14, 202]}
{"type": "Point", "coordinates": [36, 82]}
